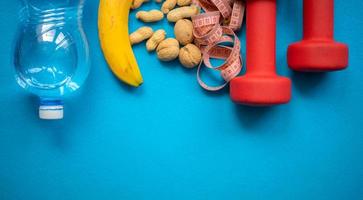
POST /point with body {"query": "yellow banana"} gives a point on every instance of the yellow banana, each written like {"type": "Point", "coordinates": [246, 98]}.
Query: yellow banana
{"type": "Point", "coordinates": [113, 18]}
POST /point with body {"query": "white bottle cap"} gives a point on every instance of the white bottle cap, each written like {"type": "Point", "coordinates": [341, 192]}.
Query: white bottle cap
{"type": "Point", "coordinates": [51, 112]}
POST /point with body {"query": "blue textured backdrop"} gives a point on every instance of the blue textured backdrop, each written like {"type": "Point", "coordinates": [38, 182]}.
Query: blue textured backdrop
{"type": "Point", "coordinates": [171, 140]}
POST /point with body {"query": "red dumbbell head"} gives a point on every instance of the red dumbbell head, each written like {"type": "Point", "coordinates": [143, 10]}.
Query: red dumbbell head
{"type": "Point", "coordinates": [318, 51]}
{"type": "Point", "coordinates": [261, 90]}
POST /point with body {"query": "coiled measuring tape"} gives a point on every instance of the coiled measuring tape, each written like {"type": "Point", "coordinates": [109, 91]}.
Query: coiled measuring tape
{"type": "Point", "coordinates": [212, 30]}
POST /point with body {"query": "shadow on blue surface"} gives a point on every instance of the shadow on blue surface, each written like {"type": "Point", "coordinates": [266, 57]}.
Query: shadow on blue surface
{"type": "Point", "coordinates": [222, 92]}
{"type": "Point", "coordinates": [308, 83]}
{"type": "Point", "coordinates": [128, 88]}
{"type": "Point", "coordinates": [56, 130]}
{"type": "Point", "coordinates": [253, 117]}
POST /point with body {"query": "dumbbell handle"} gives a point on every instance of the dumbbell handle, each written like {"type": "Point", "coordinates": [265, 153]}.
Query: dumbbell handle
{"type": "Point", "coordinates": [318, 19]}
{"type": "Point", "coordinates": [261, 36]}
{"type": "Point", "coordinates": [261, 86]}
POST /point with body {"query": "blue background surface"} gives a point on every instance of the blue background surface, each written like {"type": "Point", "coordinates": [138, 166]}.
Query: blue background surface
{"type": "Point", "coordinates": [171, 140]}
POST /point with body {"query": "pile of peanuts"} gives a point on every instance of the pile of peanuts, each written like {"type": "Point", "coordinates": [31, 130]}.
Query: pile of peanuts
{"type": "Point", "coordinates": [168, 49]}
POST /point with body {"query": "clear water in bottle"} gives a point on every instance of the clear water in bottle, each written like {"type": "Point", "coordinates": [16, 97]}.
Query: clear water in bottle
{"type": "Point", "coordinates": [51, 54]}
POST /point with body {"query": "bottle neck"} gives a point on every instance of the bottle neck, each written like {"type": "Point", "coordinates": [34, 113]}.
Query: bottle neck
{"type": "Point", "coordinates": [50, 101]}
{"type": "Point", "coordinates": [50, 109]}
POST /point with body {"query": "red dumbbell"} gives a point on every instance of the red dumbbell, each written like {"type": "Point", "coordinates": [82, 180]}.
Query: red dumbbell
{"type": "Point", "coordinates": [318, 51]}
{"type": "Point", "coordinates": [261, 86]}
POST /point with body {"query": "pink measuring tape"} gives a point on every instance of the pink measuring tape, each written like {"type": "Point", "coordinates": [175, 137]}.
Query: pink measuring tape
{"type": "Point", "coordinates": [212, 30]}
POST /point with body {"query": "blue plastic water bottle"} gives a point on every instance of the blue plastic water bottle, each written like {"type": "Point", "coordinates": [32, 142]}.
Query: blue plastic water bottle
{"type": "Point", "coordinates": [51, 53]}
